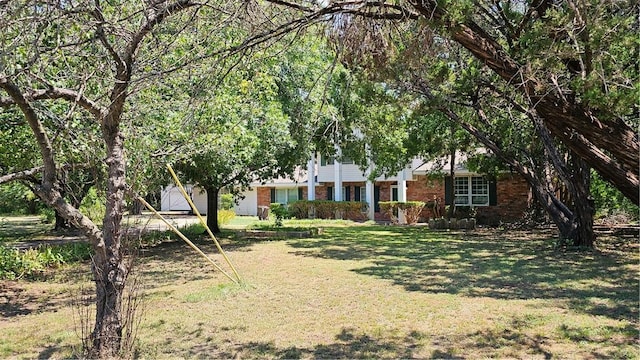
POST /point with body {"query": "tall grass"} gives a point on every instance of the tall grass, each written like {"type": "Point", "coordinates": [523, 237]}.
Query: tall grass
{"type": "Point", "coordinates": [32, 263]}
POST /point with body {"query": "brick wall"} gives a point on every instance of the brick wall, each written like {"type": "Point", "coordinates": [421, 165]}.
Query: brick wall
{"type": "Point", "coordinates": [427, 190]}
{"type": "Point", "coordinates": [264, 196]}
{"type": "Point", "coordinates": [513, 200]}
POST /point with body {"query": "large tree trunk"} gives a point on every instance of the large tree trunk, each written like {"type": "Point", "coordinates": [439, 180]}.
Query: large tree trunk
{"type": "Point", "coordinates": [212, 209]}
{"type": "Point", "coordinates": [452, 172]}
{"type": "Point", "coordinates": [583, 207]}
{"type": "Point", "coordinates": [109, 268]}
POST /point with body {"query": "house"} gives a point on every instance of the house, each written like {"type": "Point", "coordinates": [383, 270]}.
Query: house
{"type": "Point", "coordinates": [504, 198]}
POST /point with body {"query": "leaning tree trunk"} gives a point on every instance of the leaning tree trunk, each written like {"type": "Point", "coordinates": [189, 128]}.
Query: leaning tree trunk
{"type": "Point", "coordinates": [579, 129]}
{"type": "Point", "coordinates": [212, 209]}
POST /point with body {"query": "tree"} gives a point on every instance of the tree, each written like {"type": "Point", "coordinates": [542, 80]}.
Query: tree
{"type": "Point", "coordinates": [255, 124]}
{"type": "Point", "coordinates": [578, 77]}
{"type": "Point", "coordinates": [93, 56]}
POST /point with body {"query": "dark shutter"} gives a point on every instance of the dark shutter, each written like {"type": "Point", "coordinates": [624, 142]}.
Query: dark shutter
{"type": "Point", "coordinates": [347, 193]}
{"type": "Point", "coordinates": [394, 194]}
{"type": "Point", "coordinates": [329, 192]}
{"type": "Point", "coordinates": [448, 195]}
{"type": "Point", "coordinates": [493, 193]}
{"type": "Point", "coordinates": [273, 195]}
{"type": "Point", "coordinates": [323, 160]}
{"type": "Point", "coordinates": [356, 193]}
{"type": "Point", "coordinates": [376, 199]}
{"type": "Point", "coordinates": [300, 195]}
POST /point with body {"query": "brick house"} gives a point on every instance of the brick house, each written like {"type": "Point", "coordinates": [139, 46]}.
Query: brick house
{"type": "Point", "coordinates": [501, 199]}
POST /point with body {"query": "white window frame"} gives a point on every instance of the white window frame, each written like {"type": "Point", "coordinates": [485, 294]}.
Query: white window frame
{"type": "Point", "coordinates": [466, 196]}
{"type": "Point", "coordinates": [391, 193]}
{"type": "Point", "coordinates": [287, 193]}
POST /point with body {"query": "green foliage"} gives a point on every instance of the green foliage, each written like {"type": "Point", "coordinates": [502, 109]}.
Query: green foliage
{"type": "Point", "coordinates": [225, 216]}
{"type": "Point", "coordinates": [15, 198]}
{"type": "Point", "coordinates": [226, 201]}
{"type": "Point", "coordinates": [16, 264]}
{"type": "Point", "coordinates": [327, 209]}
{"type": "Point", "coordinates": [300, 209]}
{"type": "Point", "coordinates": [93, 206]}
{"type": "Point", "coordinates": [609, 200]}
{"type": "Point", "coordinates": [411, 209]}
{"type": "Point", "coordinates": [280, 212]}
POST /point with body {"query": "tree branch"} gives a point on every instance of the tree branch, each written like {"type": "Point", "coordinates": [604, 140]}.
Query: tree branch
{"type": "Point", "coordinates": [57, 93]}
{"type": "Point", "coordinates": [20, 175]}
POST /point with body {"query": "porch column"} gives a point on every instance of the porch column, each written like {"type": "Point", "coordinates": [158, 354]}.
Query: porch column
{"type": "Point", "coordinates": [311, 178]}
{"type": "Point", "coordinates": [370, 197]}
{"type": "Point", "coordinates": [402, 194]}
{"type": "Point", "coordinates": [337, 176]}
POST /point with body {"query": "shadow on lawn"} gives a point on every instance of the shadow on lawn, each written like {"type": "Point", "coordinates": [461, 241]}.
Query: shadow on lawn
{"type": "Point", "coordinates": [508, 265]}
{"type": "Point", "coordinates": [348, 345]}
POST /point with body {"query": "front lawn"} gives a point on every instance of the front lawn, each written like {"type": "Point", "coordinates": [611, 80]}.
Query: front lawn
{"type": "Point", "coordinates": [362, 291]}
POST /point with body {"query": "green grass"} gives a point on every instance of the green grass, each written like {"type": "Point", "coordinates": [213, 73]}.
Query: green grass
{"type": "Point", "coordinates": [361, 292]}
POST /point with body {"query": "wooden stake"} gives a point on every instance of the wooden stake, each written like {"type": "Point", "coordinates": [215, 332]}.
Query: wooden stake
{"type": "Point", "coordinates": [204, 223]}
{"type": "Point", "coordinates": [181, 235]}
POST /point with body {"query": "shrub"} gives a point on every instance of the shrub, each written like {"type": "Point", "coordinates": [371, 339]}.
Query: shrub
{"type": "Point", "coordinates": [15, 264]}
{"type": "Point", "coordinates": [226, 202]}
{"type": "Point", "coordinates": [390, 208]}
{"type": "Point", "coordinates": [325, 209]}
{"type": "Point", "coordinates": [280, 212]}
{"type": "Point", "coordinates": [353, 210]}
{"type": "Point", "coordinates": [411, 210]}
{"type": "Point", "coordinates": [465, 212]}
{"type": "Point", "coordinates": [301, 209]}
{"type": "Point", "coordinates": [225, 216]}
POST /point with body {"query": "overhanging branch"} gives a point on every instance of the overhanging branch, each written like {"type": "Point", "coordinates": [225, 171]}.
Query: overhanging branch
{"type": "Point", "coordinates": [20, 175]}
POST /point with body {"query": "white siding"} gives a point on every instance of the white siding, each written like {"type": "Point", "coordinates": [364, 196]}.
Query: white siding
{"type": "Point", "coordinates": [171, 199]}
{"type": "Point", "coordinates": [199, 198]}
{"type": "Point", "coordinates": [248, 205]}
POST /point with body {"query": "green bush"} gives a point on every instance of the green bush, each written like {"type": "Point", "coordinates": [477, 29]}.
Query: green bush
{"type": "Point", "coordinates": [411, 210]}
{"type": "Point", "coordinates": [300, 209]}
{"type": "Point", "coordinates": [226, 202]}
{"type": "Point", "coordinates": [15, 264]}
{"type": "Point", "coordinates": [327, 209]}
{"type": "Point", "coordinates": [225, 216]}
{"type": "Point", "coordinates": [280, 212]}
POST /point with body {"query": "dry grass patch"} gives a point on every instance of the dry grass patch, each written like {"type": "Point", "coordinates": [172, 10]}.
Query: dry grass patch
{"type": "Point", "coordinates": [370, 292]}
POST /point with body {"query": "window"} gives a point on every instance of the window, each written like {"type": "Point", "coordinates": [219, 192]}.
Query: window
{"type": "Point", "coordinates": [394, 193]}
{"type": "Point", "coordinates": [326, 160]}
{"type": "Point", "coordinates": [330, 160]}
{"type": "Point", "coordinates": [285, 196]}
{"type": "Point", "coordinates": [471, 191]}
{"type": "Point", "coordinates": [360, 194]}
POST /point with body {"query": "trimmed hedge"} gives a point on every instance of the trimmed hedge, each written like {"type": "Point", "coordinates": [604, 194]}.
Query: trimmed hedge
{"type": "Point", "coordinates": [411, 209]}
{"type": "Point", "coordinates": [327, 209]}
